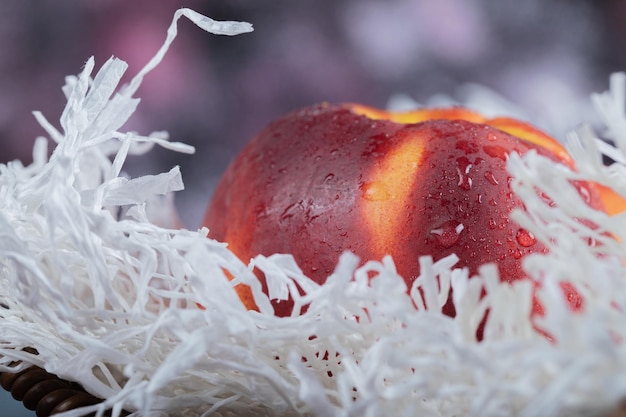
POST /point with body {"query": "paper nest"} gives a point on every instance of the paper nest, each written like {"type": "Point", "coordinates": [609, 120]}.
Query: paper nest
{"type": "Point", "coordinates": [111, 300]}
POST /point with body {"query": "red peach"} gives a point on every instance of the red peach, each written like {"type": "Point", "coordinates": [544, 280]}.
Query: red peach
{"type": "Point", "coordinates": [331, 178]}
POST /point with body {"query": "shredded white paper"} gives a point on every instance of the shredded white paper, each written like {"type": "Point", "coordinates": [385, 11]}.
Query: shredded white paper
{"type": "Point", "coordinates": [111, 299]}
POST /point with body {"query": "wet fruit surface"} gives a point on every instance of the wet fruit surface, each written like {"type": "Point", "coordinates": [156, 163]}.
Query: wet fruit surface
{"type": "Point", "coordinates": [331, 178]}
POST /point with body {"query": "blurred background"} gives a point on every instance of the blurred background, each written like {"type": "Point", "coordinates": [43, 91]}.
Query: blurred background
{"type": "Point", "coordinates": [215, 92]}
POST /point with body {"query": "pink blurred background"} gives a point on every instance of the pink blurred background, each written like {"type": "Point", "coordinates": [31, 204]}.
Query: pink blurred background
{"type": "Point", "coordinates": [215, 92]}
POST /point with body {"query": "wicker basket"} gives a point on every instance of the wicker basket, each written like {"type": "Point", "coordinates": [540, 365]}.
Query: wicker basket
{"type": "Point", "coordinates": [45, 393]}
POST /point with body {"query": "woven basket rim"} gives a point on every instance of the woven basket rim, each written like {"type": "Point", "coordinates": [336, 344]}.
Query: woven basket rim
{"type": "Point", "coordinates": [46, 393]}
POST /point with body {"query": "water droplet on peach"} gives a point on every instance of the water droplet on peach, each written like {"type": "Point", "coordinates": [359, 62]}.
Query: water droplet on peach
{"type": "Point", "coordinates": [289, 211]}
{"type": "Point", "coordinates": [448, 233]}
{"type": "Point", "coordinates": [467, 147]}
{"type": "Point", "coordinates": [525, 238]}
{"type": "Point", "coordinates": [463, 167]}
{"type": "Point", "coordinates": [491, 178]}
{"type": "Point", "coordinates": [496, 152]}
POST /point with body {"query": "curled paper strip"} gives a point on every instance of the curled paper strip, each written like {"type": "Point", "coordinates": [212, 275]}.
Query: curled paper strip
{"type": "Point", "coordinates": [112, 301]}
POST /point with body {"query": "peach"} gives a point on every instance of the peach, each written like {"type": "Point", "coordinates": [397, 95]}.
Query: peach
{"type": "Point", "coordinates": [333, 178]}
